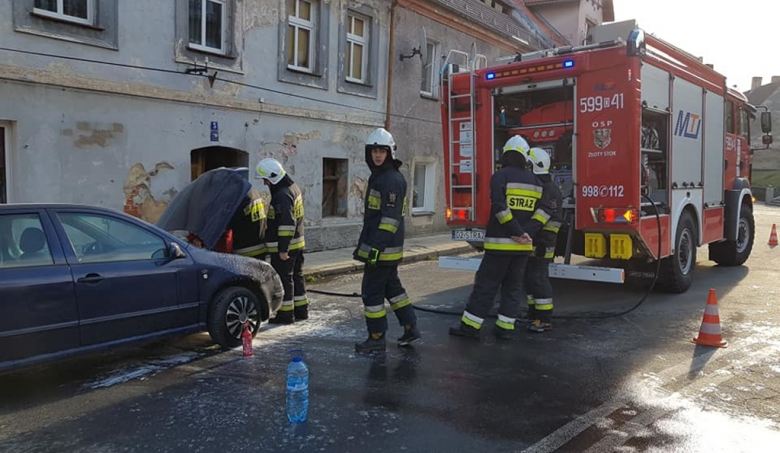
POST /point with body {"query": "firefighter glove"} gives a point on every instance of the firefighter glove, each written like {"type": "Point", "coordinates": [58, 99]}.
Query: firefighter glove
{"type": "Point", "coordinates": [373, 256]}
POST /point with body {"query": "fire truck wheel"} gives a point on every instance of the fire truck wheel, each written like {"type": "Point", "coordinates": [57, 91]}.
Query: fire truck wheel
{"type": "Point", "coordinates": [735, 253]}
{"type": "Point", "coordinates": [229, 310]}
{"type": "Point", "coordinates": [677, 270]}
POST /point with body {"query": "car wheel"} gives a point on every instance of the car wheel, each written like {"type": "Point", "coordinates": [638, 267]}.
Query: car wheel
{"type": "Point", "coordinates": [677, 270]}
{"type": "Point", "coordinates": [229, 310]}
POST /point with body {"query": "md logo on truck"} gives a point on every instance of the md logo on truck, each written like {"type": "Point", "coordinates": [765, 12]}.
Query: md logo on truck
{"type": "Point", "coordinates": [688, 127]}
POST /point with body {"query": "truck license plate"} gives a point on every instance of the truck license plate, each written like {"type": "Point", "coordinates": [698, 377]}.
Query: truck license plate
{"type": "Point", "coordinates": [468, 235]}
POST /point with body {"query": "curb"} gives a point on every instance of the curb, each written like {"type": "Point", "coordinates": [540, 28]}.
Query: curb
{"type": "Point", "coordinates": [409, 257]}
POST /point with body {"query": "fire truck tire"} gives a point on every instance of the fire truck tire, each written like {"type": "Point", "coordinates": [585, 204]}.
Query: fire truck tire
{"type": "Point", "coordinates": [677, 270]}
{"type": "Point", "coordinates": [230, 307]}
{"type": "Point", "coordinates": [735, 253]}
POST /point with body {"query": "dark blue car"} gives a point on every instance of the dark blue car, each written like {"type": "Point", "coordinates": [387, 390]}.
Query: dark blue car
{"type": "Point", "coordinates": [79, 278]}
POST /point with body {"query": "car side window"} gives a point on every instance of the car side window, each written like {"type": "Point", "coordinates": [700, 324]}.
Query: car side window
{"type": "Point", "coordinates": [101, 239]}
{"type": "Point", "coordinates": [23, 242]}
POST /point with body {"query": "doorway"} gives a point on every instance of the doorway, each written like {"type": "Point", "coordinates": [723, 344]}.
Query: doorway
{"type": "Point", "coordinates": [211, 157]}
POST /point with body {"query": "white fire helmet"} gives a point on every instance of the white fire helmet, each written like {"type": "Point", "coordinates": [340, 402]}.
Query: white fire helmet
{"type": "Point", "coordinates": [271, 170]}
{"type": "Point", "coordinates": [517, 143]}
{"type": "Point", "coordinates": [381, 137]}
{"type": "Point", "coordinates": [540, 161]}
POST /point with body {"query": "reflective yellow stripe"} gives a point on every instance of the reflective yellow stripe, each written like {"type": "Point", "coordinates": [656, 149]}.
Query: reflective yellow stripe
{"type": "Point", "coordinates": [374, 200]}
{"type": "Point", "coordinates": [540, 216]}
{"type": "Point", "coordinates": [504, 216]}
{"type": "Point", "coordinates": [252, 251]}
{"type": "Point", "coordinates": [287, 305]}
{"type": "Point", "coordinates": [298, 208]}
{"type": "Point", "coordinates": [471, 323]}
{"type": "Point", "coordinates": [505, 325]}
{"type": "Point", "coordinates": [388, 227]}
{"type": "Point", "coordinates": [295, 244]}
{"type": "Point", "coordinates": [400, 301]}
{"type": "Point", "coordinates": [524, 193]}
{"type": "Point", "coordinates": [549, 252]}
{"type": "Point", "coordinates": [531, 188]}
{"type": "Point", "coordinates": [375, 311]}
{"type": "Point", "coordinates": [392, 254]}
{"type": "Point", "coordinates": [505, 322]}
{"type": "Point", "coordinates": [552, 225]}
{"type": "Point", "coordinates": [271, 213]}
{"type": "Point", "coordinates": [283, 233]}
{"type": "Point", "coordinates": [256, 210]}
{"type": "Point", "coordinates": [301, 303]}
{"type": "Point", "coordinates": [506, 245]}
{"type": "Point", "coordinates": [544, 304]}
{"type": "Point", "coordinates": [472, 320]}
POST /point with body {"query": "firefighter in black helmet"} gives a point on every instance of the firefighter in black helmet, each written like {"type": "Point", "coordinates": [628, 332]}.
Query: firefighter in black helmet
{"type": "Point", "coordinates": [537, 276]}
{"type": "Point", "coordinates": [517, 215]}
{"type": "Point", "coordinates": [285, 241]}
{"type": "Point", "coordinates": [381, 245]}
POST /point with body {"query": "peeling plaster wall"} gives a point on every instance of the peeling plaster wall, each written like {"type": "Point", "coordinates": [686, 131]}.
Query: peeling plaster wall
{"type": "Point", "coordinates": [418, 139]}
{"type": "Point", "coordinates": [121, 137]}
{"type": "Point", "coordinates": [134, 156]}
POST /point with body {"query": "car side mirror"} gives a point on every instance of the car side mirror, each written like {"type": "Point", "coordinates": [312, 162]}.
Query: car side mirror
{"type": "Point", "coordinates": [766, 122]}
{"type": "Point", "coordinates": [766, 139]}
{"type": "Point", "coordinates": [174, 251]}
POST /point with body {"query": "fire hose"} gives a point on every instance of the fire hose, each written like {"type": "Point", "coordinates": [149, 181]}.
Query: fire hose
{"type": "Point", "coordinates": [592, 315]}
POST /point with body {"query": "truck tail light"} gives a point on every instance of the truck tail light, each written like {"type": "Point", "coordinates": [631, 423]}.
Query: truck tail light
{"type": "Point", "coordinates": [457, 214]}
{"type": "Point", "coordinates": [625, 216]}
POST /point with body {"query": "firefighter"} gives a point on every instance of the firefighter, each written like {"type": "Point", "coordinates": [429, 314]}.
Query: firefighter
{"type": "Point", "coordinates": [518, 213]}
{"type": "Point", "coordinates": [249, 226]}
{"type": "Point", "coordinates": [537, 277]}
{"type": "Point", "coordinates": [284, 240]}
{"type": "Point", "coordinates": [380, 245]}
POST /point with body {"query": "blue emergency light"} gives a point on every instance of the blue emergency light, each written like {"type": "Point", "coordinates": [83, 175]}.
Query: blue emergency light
{"type": "Point", "coordinates": [568, 64]}
{"type": "Point", "coordinates": [490, 75]}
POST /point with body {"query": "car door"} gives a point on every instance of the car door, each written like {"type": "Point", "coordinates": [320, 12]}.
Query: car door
{"type": "Point", "coordinates": [125, 285]}
{"type": "Point", "coordinates": [38, 313]}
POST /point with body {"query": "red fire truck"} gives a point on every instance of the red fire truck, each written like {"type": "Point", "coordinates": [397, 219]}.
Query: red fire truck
{"type": "Point", "coordinates": [649, 146]}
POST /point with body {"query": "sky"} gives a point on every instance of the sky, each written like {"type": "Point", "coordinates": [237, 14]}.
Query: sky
{"type": "Point", "coordinates": [739, 37]}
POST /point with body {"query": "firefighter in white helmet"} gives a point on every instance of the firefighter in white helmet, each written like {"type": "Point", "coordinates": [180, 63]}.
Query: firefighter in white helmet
{"type": "Point", "coordinates": [537, 277]}
{"type": "Point", "coordinates": [285, 241]}
{"type": "Point", "coordinates": [517, 214]}
{"type": "Point", "coordinates": [381, 244]}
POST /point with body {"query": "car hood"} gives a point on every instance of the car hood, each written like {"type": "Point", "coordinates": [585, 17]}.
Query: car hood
{"type": "Point", "coordinates": [257, 270]}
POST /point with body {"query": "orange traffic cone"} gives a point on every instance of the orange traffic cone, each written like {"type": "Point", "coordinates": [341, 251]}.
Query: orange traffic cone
{"type": "Point", "coordinates": [773, 235]}
{"type": "Point", "coordinates": [246, 337]}
{"type": "Point", "coordinates": [709, 333]}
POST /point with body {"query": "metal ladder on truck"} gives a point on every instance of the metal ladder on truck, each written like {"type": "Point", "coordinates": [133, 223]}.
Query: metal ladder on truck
{"type": "Point", "coordinates": [463, 125]}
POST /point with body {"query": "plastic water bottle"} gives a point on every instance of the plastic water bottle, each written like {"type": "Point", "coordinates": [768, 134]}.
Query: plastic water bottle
{"type": "Point", "coordinates": [297, 390]}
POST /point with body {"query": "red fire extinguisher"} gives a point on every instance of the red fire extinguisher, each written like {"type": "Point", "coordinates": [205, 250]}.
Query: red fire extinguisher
{"type": "Point", "coordinates": [246, 336]}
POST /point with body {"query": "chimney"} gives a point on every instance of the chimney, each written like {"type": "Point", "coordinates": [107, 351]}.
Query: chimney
{"type": "Point", "coordinates": [756, 83]}
{"type": "Point", "coordinates": [775, 79]}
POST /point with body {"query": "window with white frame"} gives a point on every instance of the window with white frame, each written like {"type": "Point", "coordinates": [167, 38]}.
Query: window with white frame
{"type": "Point", "coordinates": [357, 48]}
{"type": "Point", "coordinates": [424, 194]}
{"type": "Point", "coordinates": [78, 11]}
{"type": "Point", "coordinates": [429, 71]}
{"type": "Point", "coordinates": [301, 27]}
{"type": "Point", "coordinates": [208, 25]}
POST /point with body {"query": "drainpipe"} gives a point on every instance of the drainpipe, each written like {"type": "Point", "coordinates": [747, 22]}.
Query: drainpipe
{"type": "Point", "coordinates": [391, 54]}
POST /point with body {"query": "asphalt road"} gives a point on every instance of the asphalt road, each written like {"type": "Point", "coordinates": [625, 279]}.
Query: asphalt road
{"type": "Point", "coordinates": [628, 383]}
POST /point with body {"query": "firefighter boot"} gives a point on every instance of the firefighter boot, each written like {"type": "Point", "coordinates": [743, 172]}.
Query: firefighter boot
{"type": "Point", "coordinates": [504, 334]}
{"type": "Point", "coordinates": [282, 317]}
{"type": "Point", "coordinates": [301, 313]}
{"type": "Point", "coordinates": [411, 334]}
{"type": "Point", "coordinates": [374, 343]}
{"type": "Point", "coordinates": [462, 329]}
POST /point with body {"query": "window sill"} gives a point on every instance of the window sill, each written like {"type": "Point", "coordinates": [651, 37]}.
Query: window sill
{"type": "Point", "coordinates": [212, 65]}
{"type": "Point", "coordinates": [66, 21]}
{"type": "Point", "coordinates": [359, 84]}
{"type": "Point", "coordinates": [429, 96]}
{"type": "Point", "coordinates": [423, 212]}
{"type": "Point", "coordinates": [303, 72]}
{"type": "Point", "coordinates": [209, 51]}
